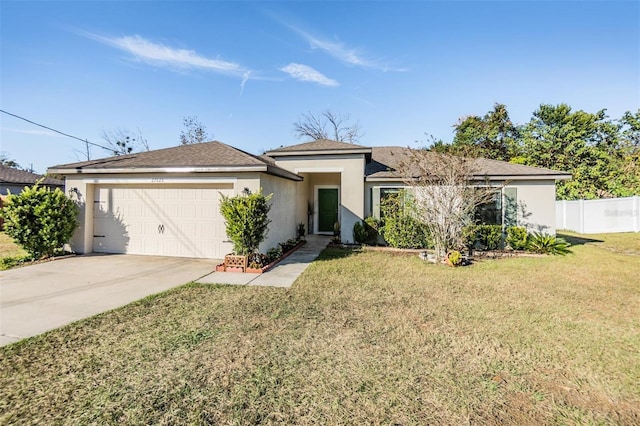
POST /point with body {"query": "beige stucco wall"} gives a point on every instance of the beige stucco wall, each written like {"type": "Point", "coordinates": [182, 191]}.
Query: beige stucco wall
{"type": "Point", "coordinates": [536, 205]}
{"type": "Point", "coordinates": [347, 171]}
{"type": "Point", "coordinates": [286, 209]}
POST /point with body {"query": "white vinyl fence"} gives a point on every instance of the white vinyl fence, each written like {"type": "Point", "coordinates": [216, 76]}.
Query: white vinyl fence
{"type": "Point", "coordinates": [599, 216]}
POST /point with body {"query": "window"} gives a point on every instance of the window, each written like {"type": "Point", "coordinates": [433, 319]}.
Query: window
{"type": "Point", "coordinates": [490, 213]}
{"type": "Point", "coordinates": [501, 210]}
{"type": "Point", "coordinates": [378, 195]}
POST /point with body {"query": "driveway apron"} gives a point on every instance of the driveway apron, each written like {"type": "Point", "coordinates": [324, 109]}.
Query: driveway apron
{"type": "Point", "coordinates": [42, 297]}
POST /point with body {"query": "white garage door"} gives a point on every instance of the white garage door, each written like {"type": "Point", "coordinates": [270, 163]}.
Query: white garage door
{"type": "Point", "coordinates": [160, 220]}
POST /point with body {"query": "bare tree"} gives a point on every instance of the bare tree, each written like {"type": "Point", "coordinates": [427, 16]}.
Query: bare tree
{"type": "Point", "coordinates": [327, 125]}
{"type": "Point", "coordinates": [447, 191]}
{"type": "Point", "coordinates": [142, 141]}
{"type": "Point", "coordinates": [194, 131]}
{"type": "Point", "coordinates": [122, 142]}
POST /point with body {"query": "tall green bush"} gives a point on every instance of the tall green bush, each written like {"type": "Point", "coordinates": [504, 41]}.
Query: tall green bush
{"type": "Point", "coordinates": [40, 220]}
{"type": "Point", "coordinates": [246, 220]}
{"type": "Point", "coordinates": [399, 226]}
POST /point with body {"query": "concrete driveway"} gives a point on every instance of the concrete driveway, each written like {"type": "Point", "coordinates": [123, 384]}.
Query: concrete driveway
{"type": "Point", "coordinates": [39, 298]}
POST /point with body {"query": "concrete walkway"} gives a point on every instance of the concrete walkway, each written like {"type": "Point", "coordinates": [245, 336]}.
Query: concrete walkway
{"type": "Point", "coordinates": [41, 297]}
{"type": "Point", "coordinates": [282, 275]}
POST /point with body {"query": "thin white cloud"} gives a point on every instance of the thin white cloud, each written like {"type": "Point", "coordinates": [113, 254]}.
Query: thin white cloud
{"type": "Point", "coordinates": [31, 132]}
{"type": "Point", "coordinates": [339, 50]}
{"type": "Point", "coordinates": [245, 78]}
{"type": "Point", "coordinates": [159, 54]}
{"type": "Point", "coordinates": [306, 73]}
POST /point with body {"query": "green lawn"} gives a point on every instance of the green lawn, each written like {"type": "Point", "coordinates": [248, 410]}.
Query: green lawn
{"type": "Point", "coordinates": [8, 248]}
{"type": "Point", "coordinates": [10, 253]}
{"type": "Point", "coordinates": [361, 338]}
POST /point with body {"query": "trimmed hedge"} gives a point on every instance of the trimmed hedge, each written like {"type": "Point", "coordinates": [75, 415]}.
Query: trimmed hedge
{"type": "Point", "coordinates": [485, 237]}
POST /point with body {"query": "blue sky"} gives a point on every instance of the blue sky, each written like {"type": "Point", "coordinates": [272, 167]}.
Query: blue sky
{"type": "Point", "coordinates": [248, 70]}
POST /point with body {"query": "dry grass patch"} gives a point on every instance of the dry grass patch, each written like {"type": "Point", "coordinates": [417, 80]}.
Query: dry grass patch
{"type": "Point", "coordinates": [8, 248]}
{"type": "Point", "coordinates": [361, 338]}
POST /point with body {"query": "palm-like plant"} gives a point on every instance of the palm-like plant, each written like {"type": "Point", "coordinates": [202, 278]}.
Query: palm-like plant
{"type": "Point", "coordinates": [548, 244]}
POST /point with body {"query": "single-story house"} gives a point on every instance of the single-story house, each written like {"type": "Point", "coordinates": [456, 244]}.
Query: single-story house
{"type": "Point", "coordinates": [14, 180]}
{"type": "Point", "coordinates": [165, 202]}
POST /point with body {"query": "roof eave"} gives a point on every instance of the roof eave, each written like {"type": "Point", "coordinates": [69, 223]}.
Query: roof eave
{"type": "Point", "coordinates": [280, 172]}
{"type": "Point", "coordinates": [318, 152]}
{"type": "Point", "coordinates": [266, 168]}
{"type": "Point", "coordinates": [481, 177]}
{"type": "Point", "coordinates": [193, 169]}
{"type": "Point", "coordinates": [382, 179]}
{"type": "Point", "coordinates": [523, 177]}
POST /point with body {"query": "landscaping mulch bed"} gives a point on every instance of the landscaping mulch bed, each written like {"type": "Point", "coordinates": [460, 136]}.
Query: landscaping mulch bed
{"type": "Point", "coordinates": [222, 268]}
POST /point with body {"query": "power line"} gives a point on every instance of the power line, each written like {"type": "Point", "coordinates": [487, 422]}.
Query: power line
{"type": "Point", "coordinates": [56, 131]}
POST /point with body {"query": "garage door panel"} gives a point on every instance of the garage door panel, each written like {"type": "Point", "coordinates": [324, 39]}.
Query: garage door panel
{"type": "Point", "coordinates": [160, 221]}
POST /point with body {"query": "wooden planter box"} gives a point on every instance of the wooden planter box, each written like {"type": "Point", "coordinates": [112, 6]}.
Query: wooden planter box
{"type": "Point", "coordinates": [235, 263]}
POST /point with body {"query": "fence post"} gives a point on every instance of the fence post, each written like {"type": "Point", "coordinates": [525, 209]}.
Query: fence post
{"type": "Point", "coordinates": [636, 209]}
{"type": "Point", "coordinates": [581, 222]}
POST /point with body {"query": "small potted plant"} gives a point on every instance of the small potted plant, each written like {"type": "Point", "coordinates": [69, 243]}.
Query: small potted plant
{"type": "Point", "coordinates": [301, 232]}
{"type": "Point", "coordinates": [336, 229]}
{"type": "Point", "coordinates": [454, 258]}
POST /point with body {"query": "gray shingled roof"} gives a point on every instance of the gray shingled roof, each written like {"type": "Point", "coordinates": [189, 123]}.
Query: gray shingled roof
{"type": "Point", "coordinates": [319, 145]}
{"type": "Point", "coordinates": [385, 160]}
{"type": "Point", "coordinates": [22, 177]}
{"type": "Point", "coordinates": [207, 155]}
{"type": "Point", "coordinates": [211, 155]}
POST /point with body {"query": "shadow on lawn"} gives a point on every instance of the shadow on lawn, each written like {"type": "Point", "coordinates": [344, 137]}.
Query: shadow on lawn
{"type": "Point", "coordinates": [578, 241]}
{"type": "Point", "coordinates": [331, 253]}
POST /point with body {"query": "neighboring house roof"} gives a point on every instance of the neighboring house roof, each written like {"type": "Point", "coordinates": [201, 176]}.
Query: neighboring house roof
{"type": "Point", "coordinates": [10, 175]}
{"type": "Point", "coordinates": [202, 157]}
{"type": "Point", "coordinates": [385, 161]}
{"type": "Point", "coordinates": [319, 147]}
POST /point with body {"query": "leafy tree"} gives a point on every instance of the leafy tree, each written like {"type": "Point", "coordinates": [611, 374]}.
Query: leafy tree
{"type": "Point", "coordinates": [577, 142]}
{"type": "Point", "coordinates": [122, 142]}
{"type": "Point", "coordinates": [40, 220]}
{"type": "Point", "coordinates": [246, 220]}
{"type": "Point", "coordinates": [625, 180]}
{"type": "Point", "coordinates": [327, 125]}
{"type": "Point", "coordinates": [630, 126]}
{"type": "Point", "coordinates": [9, 162]}
{"type": "Point", "coordinates": [194, 131]}
{"type": "Point", "coordinates": [493, 136]}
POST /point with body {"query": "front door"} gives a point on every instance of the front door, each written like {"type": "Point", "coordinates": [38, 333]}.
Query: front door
{"type": "Point", "coordinates": [327, 209]}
